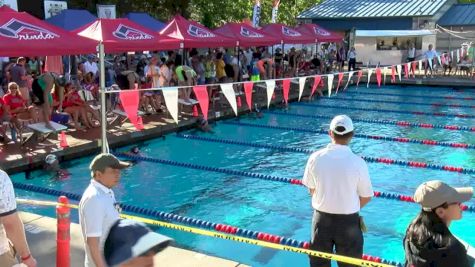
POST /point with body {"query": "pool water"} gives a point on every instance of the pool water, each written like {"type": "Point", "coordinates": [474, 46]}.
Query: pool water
{"type": "Point", "coordinates": [284, 209]}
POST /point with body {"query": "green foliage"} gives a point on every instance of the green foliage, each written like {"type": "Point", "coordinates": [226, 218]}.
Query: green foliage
{"type": "Point", "coordinates": [467, 1]}
{"type": "Point", "coordinates": [212, 13]}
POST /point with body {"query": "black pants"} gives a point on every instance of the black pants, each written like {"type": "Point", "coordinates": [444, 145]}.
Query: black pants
{"type": "Point", "coordinates": [352, 64]}
{"type": "Point", "coordinates": [336, 233]}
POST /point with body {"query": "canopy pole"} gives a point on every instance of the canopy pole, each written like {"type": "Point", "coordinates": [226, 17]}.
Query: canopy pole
{"type": "Point", "coordinates": [102, 80]}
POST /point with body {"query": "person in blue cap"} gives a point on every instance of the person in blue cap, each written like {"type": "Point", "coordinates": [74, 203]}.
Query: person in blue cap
{"type": "Point", "coordinates": [131, 244]}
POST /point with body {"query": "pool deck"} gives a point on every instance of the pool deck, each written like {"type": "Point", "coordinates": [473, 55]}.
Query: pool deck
{"type": "Point", "coordinates": [16, 158]}
{"type": "Point", "coordinates": [41, 236]}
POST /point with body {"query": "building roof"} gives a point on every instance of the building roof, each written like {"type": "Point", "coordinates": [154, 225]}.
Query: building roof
{"type": "Point", "coordinates": [336, 9]}
{"type": "Point", "coordinates": [459, 15]}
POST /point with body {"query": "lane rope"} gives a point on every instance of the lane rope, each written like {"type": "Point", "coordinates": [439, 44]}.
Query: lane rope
{"type": "Point", "coordinates": [388, 122]}
{"type": "Point", "coordinates": [418, 113]}
{"type": "Point", "coordinates": [409, 95]}
{"type": "Point", "coordinates": [233, 231]}
{"type": "Point", "coordinates": [339, 98]}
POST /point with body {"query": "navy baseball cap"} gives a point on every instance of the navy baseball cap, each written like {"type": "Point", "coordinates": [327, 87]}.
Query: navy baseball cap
{"type": "Point", "coordinates": [128, 239]}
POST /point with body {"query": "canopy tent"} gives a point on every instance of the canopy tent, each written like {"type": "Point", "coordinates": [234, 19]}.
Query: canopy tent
{"type": "Point", "coordinates": [321, 34]}
{"type": "Point", "coordinates": [146, 21]}
{"type": "Point", "coordinates": [6, 8]}
{"type": "Point", "coordinates": [392, 33]}
{"type": "Point", "coordinates": [288, 35]}
{"type": "Point", "coordinates": [71, 19]}
{"type": "Point", "coordinates": [194, 35]}
{"type": "Point", "coordinates": [24, 35]}
{"type": "Point", "coordinates": [123, 35]}
{"type": "Point", "coordinates": [246, 35]}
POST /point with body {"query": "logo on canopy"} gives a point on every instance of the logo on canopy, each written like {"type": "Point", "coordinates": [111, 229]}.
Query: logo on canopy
{"type": "Point", "coordinates": [321, 32]}
{"type": "Point", "coordinates": [290, 32]}
{"type": "Point", "coordinates": [249, 33]}
{"type": "Point", "coordinates": [128, 33]}
{"type": "Point", "coordinates": [20, 30]}
{"type": "Point", "coordinates": [199, 32]}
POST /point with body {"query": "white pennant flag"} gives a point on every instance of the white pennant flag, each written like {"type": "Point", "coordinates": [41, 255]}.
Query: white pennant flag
{"type": "Point", "coordinates": [385, 70]}
{"type": "Point", "coordinates": [270, 90]}
{"type": "Point", "coordinates": [452, 54]}
{"type": "Point", "coordinates": [430, 63]}
{"type": "Point", "coordinates": [399, 70]}
{"type": "Point", "coordinates": [420, 66]}
{"type": "Point", "coordinates": [349, 79]}
{"type": "Point", "coordinates": [330, 84]}
{"type": "Point", "coordinates": [228, 92]}
{"type": "Point", "coordinates": [170, 94]}
{"type": "Point", "coordinates": [370, 71]}
{"type": "Point", "coordinates": [301, 86]}
{"type": "Point", "coordinates": [458, 55]}
{"type": "Point", "coordinates": [439, 60]}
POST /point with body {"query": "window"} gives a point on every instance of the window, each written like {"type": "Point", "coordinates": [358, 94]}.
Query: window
{"type": "Point", "coordinates": [397, 43]}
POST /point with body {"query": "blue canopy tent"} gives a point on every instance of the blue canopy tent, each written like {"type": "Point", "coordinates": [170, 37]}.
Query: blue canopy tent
{"type": "Point", "coordinates": [71, 19]}
{"type": "Point", "coordinates": [146, 20]}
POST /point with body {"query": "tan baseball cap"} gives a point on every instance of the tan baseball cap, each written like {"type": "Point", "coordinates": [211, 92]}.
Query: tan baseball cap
{"type": "Point", "coordinates": [433, 194]}
{"type": "Point", "coordinates": [105, 160]}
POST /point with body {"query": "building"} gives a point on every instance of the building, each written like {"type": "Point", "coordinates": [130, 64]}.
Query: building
{"type": "Point", "coordinates": [381, 30]}
{"type": "Point", "coordinates": [456, 27]}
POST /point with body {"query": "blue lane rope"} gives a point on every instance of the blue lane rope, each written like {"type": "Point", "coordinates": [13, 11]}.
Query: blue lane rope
{"type": "Point", "coordinates": [387, 110]}
{"type": "Point", "coordinates": [339, 98]}
{"type": "Point", "coordinates": [369, 159]}
{"type": "Point", "coordinates": [361, 92]}
{"type": "Point", "coordinates": [388, 122]}
{"type": "Point", "coordinates": [365, 136]}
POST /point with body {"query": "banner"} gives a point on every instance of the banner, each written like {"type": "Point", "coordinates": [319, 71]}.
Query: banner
{"type": "Point", "coordinates": [330, 83]}
{"type": "Point", "coordinates": [202, 96]}
{"type": "Point", "coordinates": [370, 71]}
{"type": "Point", "coordinates": [316, 82]}
{"type": "Point", "coordinates": [275, 10]}
{"type": "Point", "coordinates": [301, 86]}
{"type": "Point", "coordinates": [340, 78]}
{"type": "Point", "coordinates": [106, 11]}
{"type": "Point", "coordinates": [393, 74]}
{"type": "Point", "coordinates": [248, 90]}
{"type": "Point", "coordinates": [170, 94]}
{"type": "Point", "coordinates": [286, 89]}
{"type": "Point", "coordinates": [350, 75]}
{"type": "Point", "coordinates": [360, 74]}
{"type": "Point", "coordinates": [399, 70]}
{"type": "Point", "coordinates": [378, 76]}
{"type": "Point", "coordinates": [256, 14]}
{"type": "Point", "coordinates": [11, 3]}
{"type": "Point", "coordinates": [53, 8]}
{"type": "Point", "coordinates": [228, 92]}
{"type": "Point", "coordinates": [270, 84]}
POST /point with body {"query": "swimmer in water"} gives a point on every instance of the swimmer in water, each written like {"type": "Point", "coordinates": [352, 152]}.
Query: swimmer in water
{"type": "Point", "coordinates": [203, 125]}
{"type": "Point", "coordinates": [52, 166]}
{"type": "Point", "coordinates": [257, 113]}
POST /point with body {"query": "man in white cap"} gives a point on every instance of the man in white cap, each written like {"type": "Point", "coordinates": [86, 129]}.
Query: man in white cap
{"type": "Point", "coordinates": [339, 183]}
{"type": "Point", "coordinates": [98, 209]}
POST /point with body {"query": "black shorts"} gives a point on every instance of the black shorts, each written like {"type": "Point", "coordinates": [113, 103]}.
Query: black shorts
{"type": "Point", "coordinates": [38, 96]}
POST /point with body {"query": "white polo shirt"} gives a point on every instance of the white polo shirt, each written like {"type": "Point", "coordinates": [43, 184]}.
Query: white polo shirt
{"type": "Point", "coordinates": [97, 213]}
{"type": "Point", "coordinates": [7, 207]}
{"type": "Point", "coordinates": [339, 178]}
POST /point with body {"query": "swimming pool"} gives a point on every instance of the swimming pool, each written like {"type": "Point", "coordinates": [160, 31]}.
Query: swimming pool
{"type": "Point", "coordinates": [284, 209]}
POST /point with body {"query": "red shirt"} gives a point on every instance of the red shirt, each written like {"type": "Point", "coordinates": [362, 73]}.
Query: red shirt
{"type": "Point", "coordinates": [13, 101]}
{"type": "Point", "coordinates": [1, 107]}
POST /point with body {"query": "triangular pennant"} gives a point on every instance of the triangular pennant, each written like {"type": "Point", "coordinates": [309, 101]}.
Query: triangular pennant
{"type": "Point", "coordinates": [170, 94]}
{"type": "Point", "coordinates": [385, 72]}
{"type": "Point", "coordinates": [442, 59]}
{"type": "Point", "coordinates": [270, 84]}
{"type": "Point", "coordinates": [420, 67]}
{"type": "Point", "coordinates": [350, 75]}
{"type": "Point", "coordinates": [406, 70]}
{"type": "Point", "coordinates": [228, 92]}
{"type": "Point", "coordinates": [316, 82]}
{"type": "Point", "coordinates": [370, 71]}
{"type": "Point", "coordinates": [430, 63]}
{"type": "Point", "coordinates": [458, 55]}
{"type": "Point", "coordinates": [439, 60]}
{"type": "Point", "coordinates": [393, 74]}
{"type": "Point", "coordinates": [399, 70]}
{"type": "Point", "coordinates": [360, 74]}
{"type": "Point", "coordinates": [202, 96]}
{"type": "Point", "coordinates": [340, 78]}
{"type": "Point", "coordinates": [330, 78]}
{"type": "Point", "coordinates": [301, 86]}
{"type": "Point", "coordinates": [378, 76]}
{"type": "Point", "coordinates": [248, 90]}
{"type": "Point", "coordinates": [130, 103]}
{"type": "Point", "coordinates": [452, 54]}
{"type": "Point", "coordinates": [286, 89]}
{"type": "Point", "coordinates": [414, 63]}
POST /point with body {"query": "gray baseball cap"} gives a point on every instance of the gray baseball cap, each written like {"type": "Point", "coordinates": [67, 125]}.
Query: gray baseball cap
{"type": "Point", "coordinates": [433, 194]}
{"type": "Point", "coordinates": [105, 160]}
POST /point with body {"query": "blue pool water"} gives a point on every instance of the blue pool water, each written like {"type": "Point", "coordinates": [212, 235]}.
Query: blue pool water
{"type": "Point", "coordinates": [279, 208]}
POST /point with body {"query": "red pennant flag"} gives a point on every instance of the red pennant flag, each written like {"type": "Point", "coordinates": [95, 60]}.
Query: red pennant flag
{"type": "Point", "coordinates": [393, 74]}
{"type": "Point", "coordinates": [406, 71]}
{"type": "Point", "coordinates": [442, 58]}
{"type": "Point", "coordinates": [130, 103]}
{"type": "Point", "coordinates": [340, 78]}
{"type": "Point", "coordinates": [202, 97]}
{"type": "Point", "coordinates": [248, 90]}
{"type": "Point", "coordinates": [378, 76]}
{"type": "Point", "coordinates": [316, 82]}
{"type": "Point", "coordinates": [414, 66]}
{"type": "Point", "coordinates": [286, 87]}
{"type": "Point", "coordinates": [360, 74]}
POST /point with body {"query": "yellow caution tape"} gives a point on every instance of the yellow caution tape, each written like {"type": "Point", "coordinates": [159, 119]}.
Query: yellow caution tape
{"type": "Point", "coordinates": [329, 256]}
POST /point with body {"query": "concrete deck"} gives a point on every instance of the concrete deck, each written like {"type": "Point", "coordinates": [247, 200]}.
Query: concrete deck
{"type": "Point", "coordinates": [41, 236]}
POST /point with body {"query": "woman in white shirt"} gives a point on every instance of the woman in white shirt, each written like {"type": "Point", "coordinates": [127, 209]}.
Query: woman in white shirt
{"type": "Point", "coordinates": [152, 73]}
